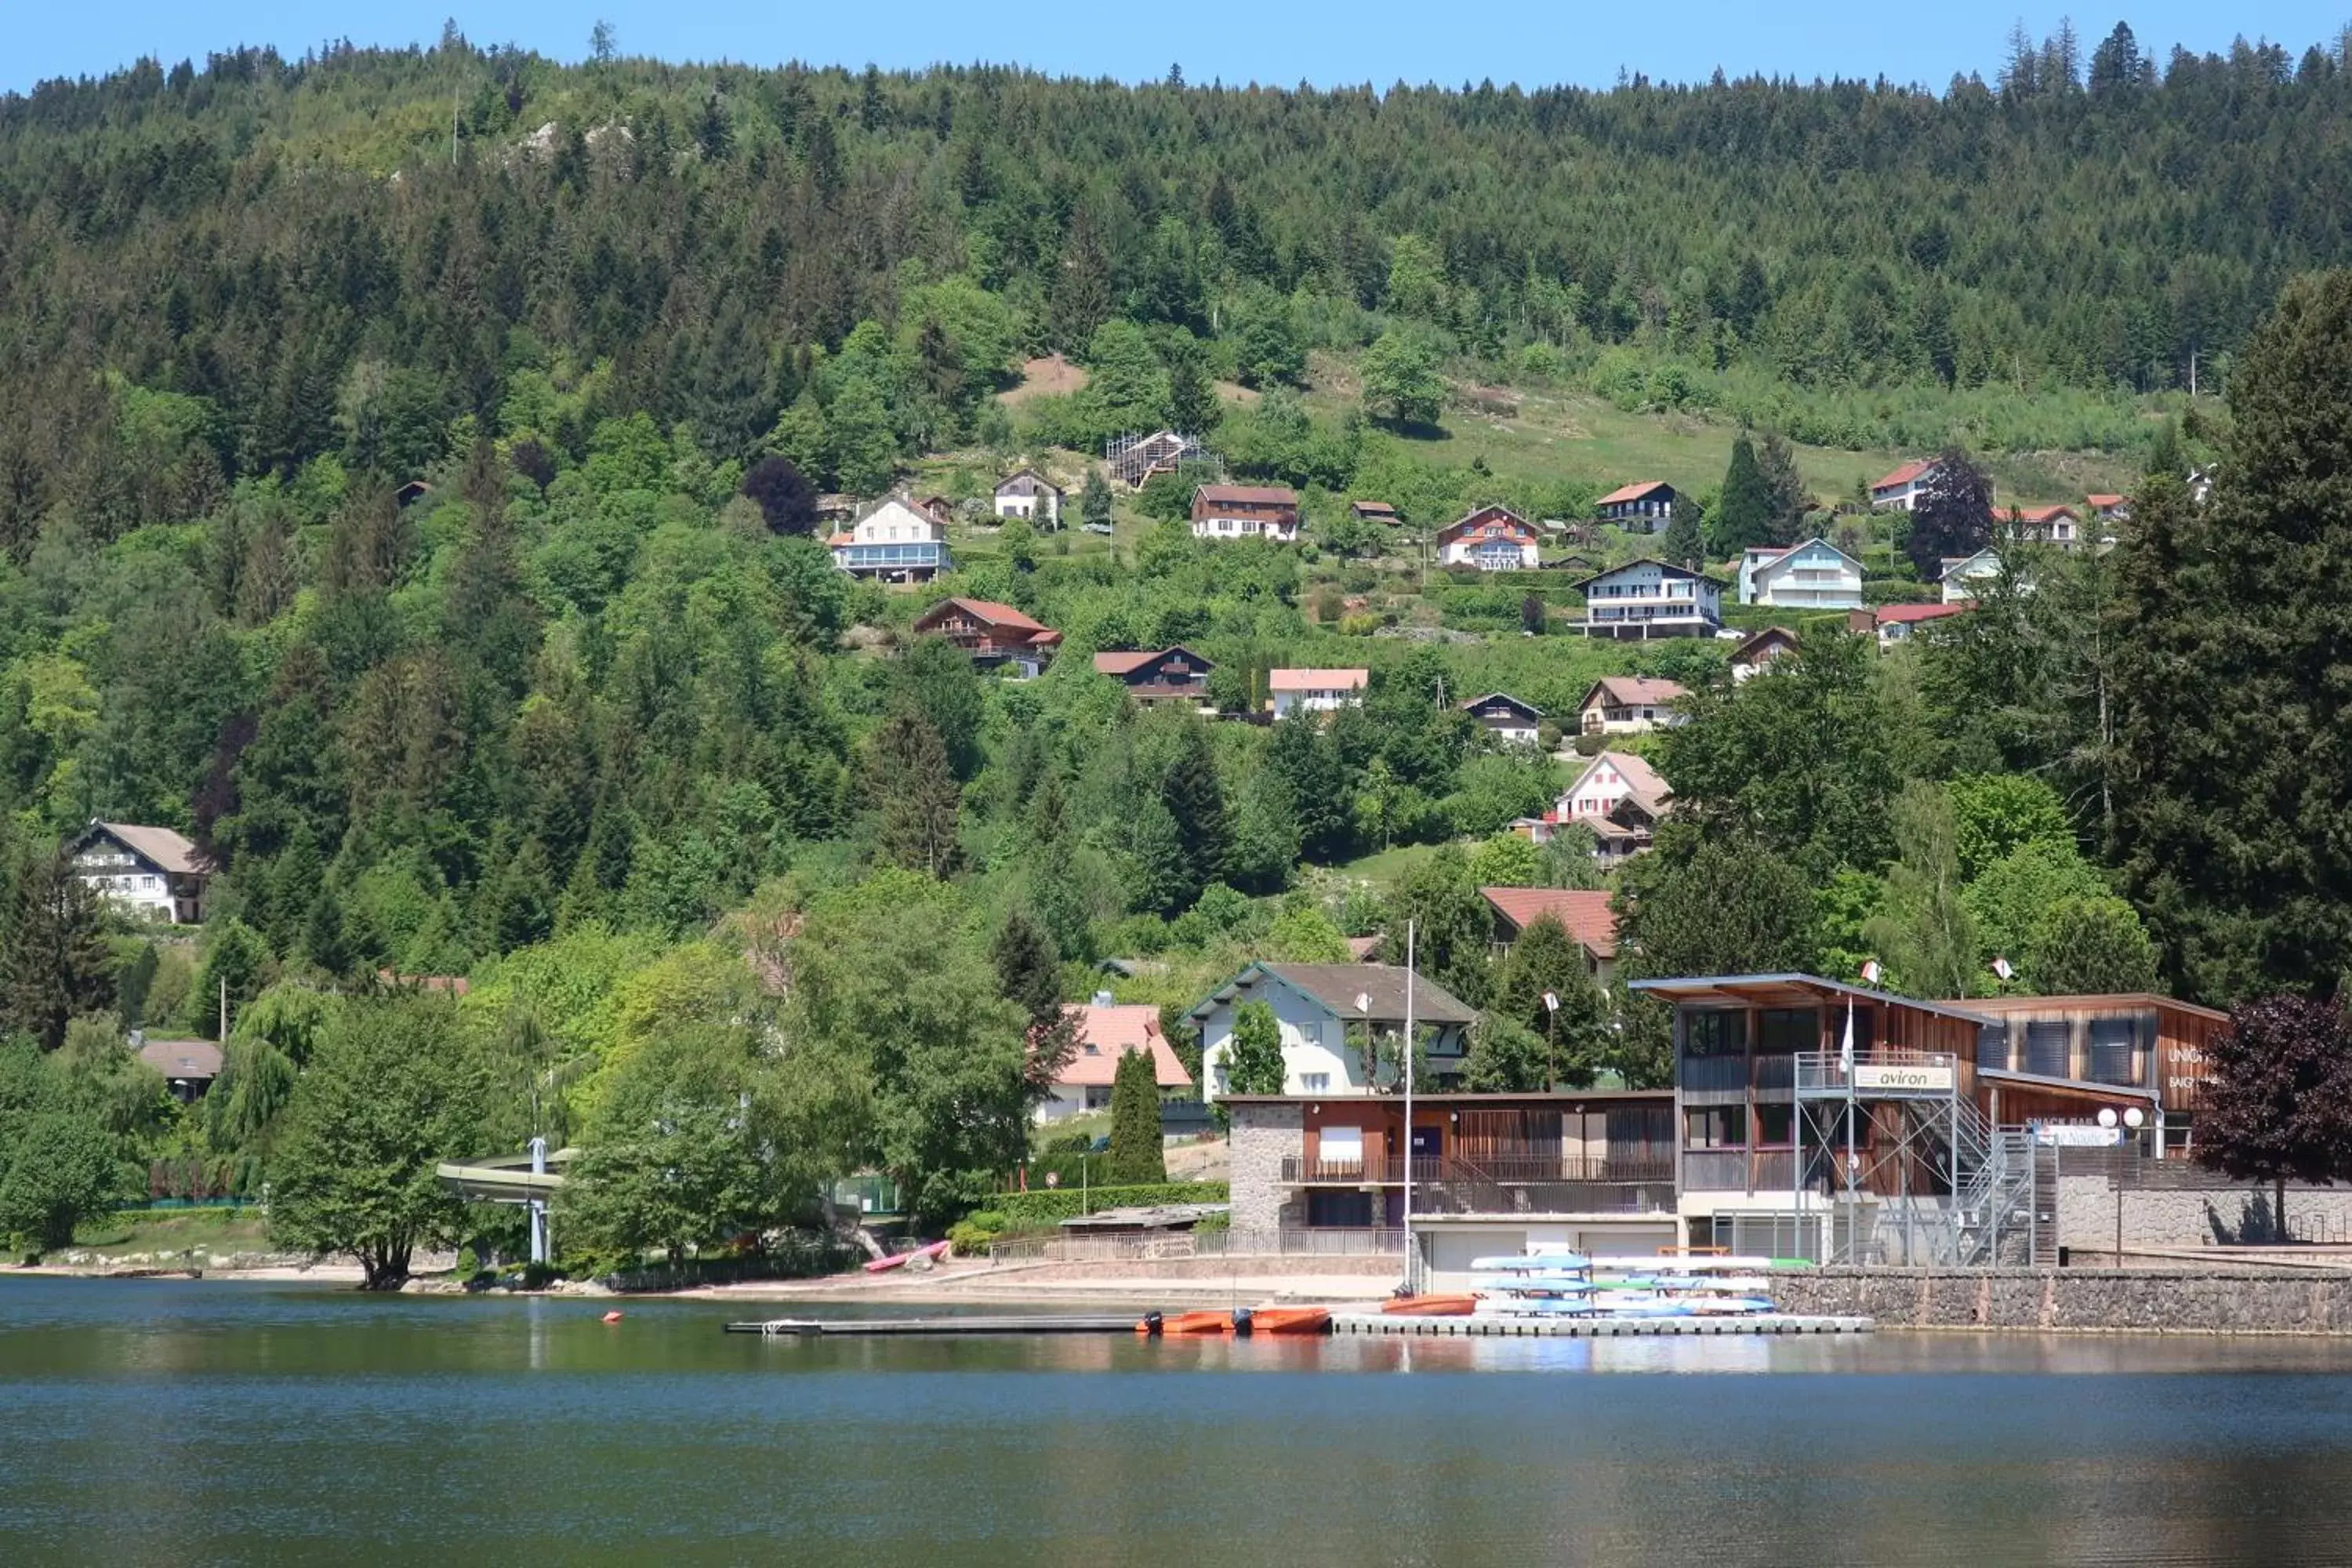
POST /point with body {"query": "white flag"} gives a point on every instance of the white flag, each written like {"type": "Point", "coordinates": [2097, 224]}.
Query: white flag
{"type": "Point", "coordinates": [1551, 1001]}
{"type": "Point", "coordinates": [1845, 1050]}
{"type": "Point", "coordinates": [1870, 971]}
{"type": "Point", "coordinates": [2001, 967]}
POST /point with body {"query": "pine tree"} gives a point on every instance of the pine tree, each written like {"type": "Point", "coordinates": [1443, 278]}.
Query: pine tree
{"type": "Point", "coordinates": [1683, 545]}
{"type": "Point", "coordinates": [1545, 960]}
{"type": "Point", "coordinates": [1192, 406]}
{"type": "Point", "coordinates": [865, 447]}
{"type": "Point", "coordinates": [1137, 1155]}
{"type": "Point", "coordinates": [1196, 800]}
{"type": "Point", "coordinates": [1028, 969]}
{"type": "Point", "coordinates": [1252, 1060]}
{"type": "Point", "coordinates": [1094, 499]}
{"type": "Point", "coordinates": [915, 795]}
{"type": "Point", "coordinates": [1776, 461]}
{"type": "Point", "coordinates": [53, 962]}
{"type": "Point", "coordinates": [1743, 514]}
{"type": "Point", "coordinates": [1081, 299]}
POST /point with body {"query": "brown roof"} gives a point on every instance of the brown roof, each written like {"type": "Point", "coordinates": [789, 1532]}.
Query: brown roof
{"type": "Point", "coordinates": [1363, 948]}
{"type": "Point", "coordinates": [1912, 613]}
{"type": "Point", "coordinates": [988, 611]}
{"type": "Point", "coordinates": [182, 1059]}
{"type": "Point", "coordinates": [2041, 513]}
{"type": "Point", "coordinates": [1316, 680]}
{"type": "Point", "coordinates": [1127, 661]}
{"type": "Point", "coordinates": [1336, 986]}
{"type": "Point", "coordinates": [1632, 690]}
{"type": "Point", "coordinates": [1904, 475]}
{"type": "Point", "coordinates": [1585, 914]}
{"type": "Point", "coordinates": [1754, 646]}
{"type": "Point", "coordinates": [1634, 491]}
{"type": "Point", "coordinates": [1247, 495]}
{"type": "Point", "coordinates": [1108, 1032]}
{"type": "Point", "coordinates": [1382, 509]}
{"type": "Point", "coordinates": [167, 850]}
{"type": "Point", "coordinates": [2103, 502]}
{"type": "Point", "coordinates": [1643, 778]}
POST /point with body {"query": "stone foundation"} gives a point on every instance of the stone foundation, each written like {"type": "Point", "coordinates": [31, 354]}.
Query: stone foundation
{"type": "Point", "coordinates": [2185, 1300]}
{"type": "Point", "coordinates": [1261, 1138]}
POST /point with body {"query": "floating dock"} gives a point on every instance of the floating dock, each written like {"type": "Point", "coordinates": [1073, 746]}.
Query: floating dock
{"type": "Point", "coordinates": [868, 1328]}
{"type": "Point", "coordinates": [1503, 1328]}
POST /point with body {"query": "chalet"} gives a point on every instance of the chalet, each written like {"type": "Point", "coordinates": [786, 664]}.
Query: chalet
{"type": "Point", "coordinates": [411, 493]}
{"type": "Point", "coordinates": [1961, 577]}
{"type": "Point", "coordinates": [1029, 495]}
{"type": "Point", "coordinates": [2052, 525]}
{"type": "Point", "coordinates": [1492, 539]}
{"type": "Point", "coordinates": [1584, 913]}
{"type": "Point", "coordinates": [1159, 675]}
{"type": "Point", "coordinates": [1651, 599]}
{"type": "Point", "coordinates": [1748, 659]}
{"type": "Point", "coordinates": [1892, 624]}
{"type": "Point", "coordinates": [1590, 1170]}
{"type": "Point", "coordinates": [939, 509]}
{"type": "Point", "coordinates": [1628, 705]}
{"type": "Point", "coordinates": [1246, 511]}
{"type": "Point", "coordinates": [1629, 827]}
{"type": "Point", "coordinates": [154, 873]}
{"type": "Point", "coordinates": [1607, 779]}
{"type": "Point", "coordinates": [1505, 717]}
{"type": "Point", "coordinates": [1323, 1011]}
{"type": "Point", "coordinates": [1135, 459]}
{"type": "Point", "coordinates": [996, 636]}
{"type": "Point", "coordinates": [2109, 508]}
{"type": "Point", "coordinates": [1108, 1033]}
{"type": "Point", "coordinates": [1645, 506]}
{"type": "Point", "coordinates": [1375, 511]}
{"type": "Point", "coordinates": [189, 1066]}
{"type": "Point", "coordinates": [1899, 490]}
{"type": "Point", "coordinates": [1315, 691]}
{"type": "Point", "coordinates": [1581, 565]}
{"type": "Point", "coordinates": [1813, 575]}
{"type": "Point", "coordinates": [893, 543]}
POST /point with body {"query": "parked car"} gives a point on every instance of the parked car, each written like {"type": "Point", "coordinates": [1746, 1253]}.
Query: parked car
{"type": "Point", "coordinates": [1100, 528]}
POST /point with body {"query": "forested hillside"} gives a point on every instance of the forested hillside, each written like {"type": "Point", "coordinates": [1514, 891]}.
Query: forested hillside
{"type": "Point", "coordinates": [423, 522]}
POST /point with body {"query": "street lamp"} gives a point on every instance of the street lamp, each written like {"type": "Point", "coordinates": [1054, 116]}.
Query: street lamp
{"type": "Point", "coordinates": [2132, 1117]}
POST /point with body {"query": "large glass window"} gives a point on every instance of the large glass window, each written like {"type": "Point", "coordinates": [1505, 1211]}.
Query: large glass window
{"type": "Point", "coordinates": [1992, 1047]}
{"type": "Point", "coordinates": [2112, 1040]}
{"type": "Point", "coordinates": [1724, 1127]}
{"type": "Point", "coordinates": [1775, 1126]}
{"type": "Point", "coordinates": [1717, 1034]}
{"type": "Point", "coordinates": [1781, 1030]}
{"type": "Point", "coordinates": [2046, 1047]}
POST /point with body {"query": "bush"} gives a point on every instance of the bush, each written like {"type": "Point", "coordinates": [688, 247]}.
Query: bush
{"type": "Point", "coordinates": [1052, 1207]}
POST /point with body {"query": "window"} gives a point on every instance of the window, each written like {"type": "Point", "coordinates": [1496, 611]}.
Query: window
{"type": "Point", "coordinates": [1775, 1126]}
{"type": "Point", "coordinates": [1313, 1082]}
{"type": "Point", "coordinates": [1342, 1146]}
{"type": "Point", "coordinates": [1781, 1030]}
{"type": "Point", "coordinates": [2046, 1047]}
{"type": "Point", "coordinates": [1715, 1034]}
{"type": "Point", "coordinates": [1724, 1126]}
{"type": "Point", "coordinates": [2112, 1040]}
{"type": "Point", "coordinates": [1992, 1046]}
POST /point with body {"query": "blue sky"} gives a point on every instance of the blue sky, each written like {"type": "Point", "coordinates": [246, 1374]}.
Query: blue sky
{"type": "Point", "coordinates": [1321, 41]}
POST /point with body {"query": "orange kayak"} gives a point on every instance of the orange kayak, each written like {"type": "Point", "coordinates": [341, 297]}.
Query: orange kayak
{"type": "Point", "coordinates": [1178, 1325]}
{"type": "Point", "coordinates": [1429, 1306]}
{"type": "Point", "coordinates": [1289, 1321]}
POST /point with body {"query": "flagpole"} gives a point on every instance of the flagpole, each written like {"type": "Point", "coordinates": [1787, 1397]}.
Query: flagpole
{"type": "Point", "coordinates": [1409, 1271]}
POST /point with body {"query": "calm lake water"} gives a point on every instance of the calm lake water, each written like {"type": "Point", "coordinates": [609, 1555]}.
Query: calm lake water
{"type": "Point", "coordinates": [174, 1423]}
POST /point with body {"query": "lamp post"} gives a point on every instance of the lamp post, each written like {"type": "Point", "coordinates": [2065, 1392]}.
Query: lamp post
{"type": "Point", "coordinates": [2132, 1118]}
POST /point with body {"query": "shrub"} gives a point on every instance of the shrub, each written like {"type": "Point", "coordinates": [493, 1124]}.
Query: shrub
{"type": "Point", "coordinates": [1051, 1208]}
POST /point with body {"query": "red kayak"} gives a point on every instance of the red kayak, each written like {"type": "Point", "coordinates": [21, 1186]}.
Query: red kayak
{"type": "Point", "coordinates": [1429, 1306]}
{"type": "Point", "coordinates": [901, 1259]}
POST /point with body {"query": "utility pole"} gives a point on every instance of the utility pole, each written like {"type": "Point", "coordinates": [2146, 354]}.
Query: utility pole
{"type": "Point", "coordinates": [1412, 1273]}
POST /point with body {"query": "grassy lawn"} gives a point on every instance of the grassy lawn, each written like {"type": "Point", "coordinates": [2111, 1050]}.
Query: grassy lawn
{"type": "Point", "coordinates": [146, 1231]}
{"type": "Point", "coordinates": [1091, 1123]}
{"type": "Point", "coordinates": [1385, 866]}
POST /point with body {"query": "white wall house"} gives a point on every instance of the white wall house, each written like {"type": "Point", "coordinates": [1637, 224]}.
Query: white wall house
{"type": "Point", "coordinates": [152, 873]}
{"type": "Point", "coordinates": [1814, 576]}
{"type": "Point", "coordinates": [1629, 705]}
{"type": "Point", "coordinates": [1964, 578]}
{"type": "Point", "coordinates": [893, 543]}
{"type": "Point", "coordinates": [2052, 525]}
{"type": "Point", "coordinates": [1899, 490]}
{"type": "Point", "coordinates": [1029, 494]}
{"type": "Point", "coordinates": [1605, 784]}
{"type": "Point", "coordinates": [1314, 1006]}
{"type": "Point", "coordinates": [1505, 718]}
{"type": "Point", "coordinates": [1651, 599]}
{"type": "Point", "coordinates": [1492, 539]}
{"type": "Point", "coordinates": [1107, 1032]}
{"type": "Point", "coordinates": [1316, 691]}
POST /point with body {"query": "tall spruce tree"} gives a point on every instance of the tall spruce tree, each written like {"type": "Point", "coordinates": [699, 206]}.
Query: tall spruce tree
{"type": "Point", "coordinates": [916, 797]}
{"type": "Point", "coordinates": [1743, 514]}
{"type": "Point", "coordinates": [54, 961]}
{"type": "Point", "coordinates": [1137, 1157]}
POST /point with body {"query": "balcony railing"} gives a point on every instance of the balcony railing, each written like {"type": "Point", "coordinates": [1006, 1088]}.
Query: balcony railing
{"type": "Point", "coordinates": [1513, 1170]}
{"type": "Point", "coordinates": [1884, 1074]}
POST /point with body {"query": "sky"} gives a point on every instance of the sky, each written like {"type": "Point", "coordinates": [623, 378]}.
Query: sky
{"type": "Point", "coordinates": [1324, 42]}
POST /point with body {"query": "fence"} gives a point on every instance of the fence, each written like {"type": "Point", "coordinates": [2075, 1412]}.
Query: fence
{"type": "Point", "coordinates": [1333, 1242]}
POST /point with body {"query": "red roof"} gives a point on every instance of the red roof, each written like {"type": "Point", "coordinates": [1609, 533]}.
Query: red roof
{"type": "Point", "coordinates": [1901, 614]}
{"type": "Point", "coordinates": [2103, 502]}
{"type": "Point", "coordinates": [991, 613]}
{"type": "Point", "coordinates": [2041, 513]}
{"type": "Point", "coordinates": [1107, 1033]}
{"type": "Point", "coordinates": [1502, 516]}
{"type": "Point", "coordinates": [1904, 475]}
{"type": "Point", "coordinates": [1585, 914]}
{"type": "Point", "coordinates": [1316, 680]}
{"type": "Point", "coordinates": [1634, 491]}
{"type": "Point", "coordinates": [1246, 495]}
{"type": "Point", "coordinates": [1632, 691]}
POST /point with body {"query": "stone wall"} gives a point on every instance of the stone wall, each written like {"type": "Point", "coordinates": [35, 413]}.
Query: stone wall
{"type": "Point", "coordinates": [1262, 1137]}
{"type": "Point", "coordinates": [2157, 1208]}
{"type": "Point", "coordinates": [2282, 1301]}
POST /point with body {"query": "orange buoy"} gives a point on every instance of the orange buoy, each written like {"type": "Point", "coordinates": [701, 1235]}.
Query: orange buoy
{"type": "Point", "coordinates": [612, 1317]}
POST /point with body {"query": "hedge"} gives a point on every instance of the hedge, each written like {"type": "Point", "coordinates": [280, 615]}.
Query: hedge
{"type": "Point", "coordinates": [1050, 1206]}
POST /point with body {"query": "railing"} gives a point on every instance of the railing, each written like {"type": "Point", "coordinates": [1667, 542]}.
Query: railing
{"type": "Point", "coordinates": [1499, 1171]}
{"type": "Point", "coordinates": [1316, 1242]}
{"type": "Point", "coordinates": [1891, 1074]}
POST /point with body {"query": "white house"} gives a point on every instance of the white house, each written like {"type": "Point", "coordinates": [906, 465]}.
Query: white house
{"type": "Point", "coordinates": [1505, 718]}
{"type": "Point", "coordinates": [1316, 1006]}
{"type": "Point", "coordinates": [1892, 624]}
{"type": "Point", "coordinates": [1607, 781]}
{"type": "Point", "coordinates": [1029, 494]}
{"type": "Point", "coordinates": [1107, 1032]}
{"type": "Point", "coordinates": [1492, 539]}
{"type": "Point", "coordinates": [1814, 576]}
{"type": "Point", "coordinates": [2053, 525]}
{"type": "Point", "coordinates": [1899, 490]}
{"type": "Point", "coordinates": [1246, 511]}
{"type": "Point", "coordinates": [1961, 576]}
{"type": "Point", "coordinates": [1651, 599]}
{"type": "Point", "coordinates": [1645, 506]}
{"type": "Point", "coordinates": [152, 872]}
{"type": "Point", "coordinates": [1629, 705]}
{"type": "Point", "coordinates": [893, 543]}
{"type": "Point", "coordinates": [1316, 691]}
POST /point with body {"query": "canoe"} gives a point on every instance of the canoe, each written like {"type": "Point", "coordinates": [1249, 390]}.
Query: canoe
{"type": "Point", "coordinates": [901, 1259]}
{"type": "Point", "coordinates": [1527, 1263]}
{"type": "Point", "coordinates": [1179, 1325]}
{"type": "Point", "coordinates": [1286, 1321]}
{"type": "Point", "coordinates": [1429, 1306]}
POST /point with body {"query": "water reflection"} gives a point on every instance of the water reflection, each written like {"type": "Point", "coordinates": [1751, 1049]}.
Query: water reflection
{"type": "Point", "coordinates": [200, 1424]}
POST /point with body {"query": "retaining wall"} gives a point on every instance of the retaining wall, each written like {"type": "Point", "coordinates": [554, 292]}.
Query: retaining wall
{"type": "Point", "coordinates": [2137, 1300]}
{"type": "Point", "coordinates": [1261, 1138]}
{"type": "Point", "coordinates": [2158, 1209]}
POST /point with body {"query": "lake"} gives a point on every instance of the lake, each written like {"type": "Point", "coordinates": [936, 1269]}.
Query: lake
{"type": "Point", "coordinates": [154, 1422]}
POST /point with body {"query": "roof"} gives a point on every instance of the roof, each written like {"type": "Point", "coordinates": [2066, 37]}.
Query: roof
{"type": "Point", "coordinates": [1127, 661]}
{"type": "Point", "coordinates": [167, 850]}
{"type": "Point", "coordinates": [1638, 774]}
{"type": "Point", "coordinates": [1767, 555]}
{"type": "Point", "coordinates": [2103, 501]}
{"type": "Point", "coordinates": [1362, 948]}
{"type": "Point", "coordinates": [1753, 648]}
{"type": "Point", "coordinates": [1374, 508]}
{"type": "Point", "coordinates": [1904, 475]}
{"type": "Point", "coordinates": [182, 1059]}
{"type": "Point", "coordinates": [1634, 491]}
{"type": "Point", "coordinates": [1316, 680]}
{"type": "Point", "coordinates": [1476, 1096]}
{"type": "Point", "coordinates": [1585, 914]}
{"type": "Point", "coordinates": [1492, 512]}
{"type": "Point", "coordinates": [1530, 709]}
{"type": "Point", "coordinates": [1665, 568]}
{"type": "Point", "coordinates": [991, 613]}
{"type": "Point", "coordinates": [1952, 564]}
{"type": "Point", "coordinates": [1771, 990]}
{"type": "Point", "coordinates": [1112, 1031]}
{"type": "Point", "coordinates": [1337, 985]}
{"type": "Point", "coordinates": [1247, 495]}
{"type": "Point", "coordinates": [2100, 1001]}
{"type": "Point", "coordinates": [2039, 513]}
{"type": "Point", "coordinates": [1901, 614]}
{"type": "Point", "coordinates": [1632, 689]}
{"type": "Point", "coordinates": [1032, 474]}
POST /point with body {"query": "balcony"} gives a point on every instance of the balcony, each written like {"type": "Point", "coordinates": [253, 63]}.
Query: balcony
{"type": "Point", "coordinates": [1531, 1184]}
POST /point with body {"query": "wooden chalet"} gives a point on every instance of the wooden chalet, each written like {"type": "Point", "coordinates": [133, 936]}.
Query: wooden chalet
{"type": "Point", "coordinates": [995, 636]}
{"type": "Point", "coordinates": [1159, 675]}
{"type": "Point", "coordinates": [1505, 717]}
